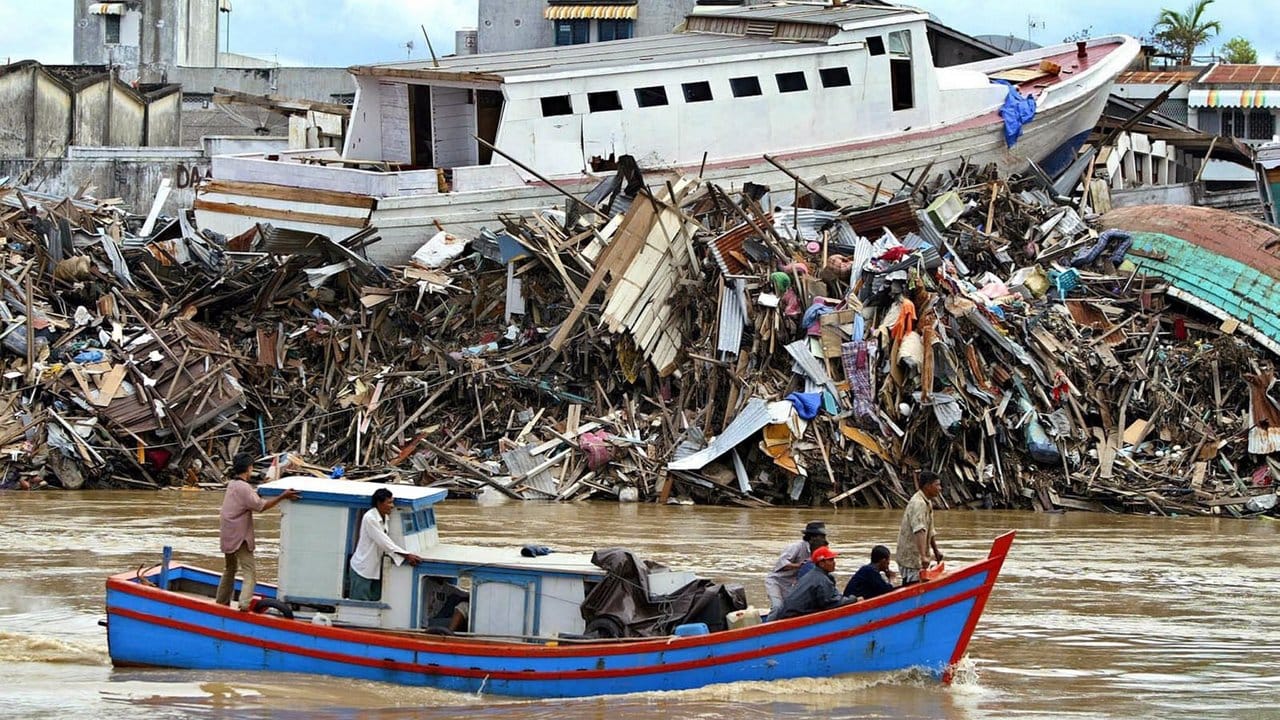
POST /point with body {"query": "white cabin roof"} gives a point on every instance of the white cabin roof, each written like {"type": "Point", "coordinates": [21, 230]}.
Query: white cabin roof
{"type": "Point", "coordinates": [349, 492]}
{"type": "Point", "coordinates": [678, 49]}
{"type": "Point", "coordinates": [474, 557]}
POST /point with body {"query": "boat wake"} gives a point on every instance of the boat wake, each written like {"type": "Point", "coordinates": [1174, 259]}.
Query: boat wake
{"type": "Point", "coordinates": [21, 648]}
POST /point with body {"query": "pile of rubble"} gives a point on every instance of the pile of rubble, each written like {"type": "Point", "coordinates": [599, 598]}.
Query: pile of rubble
{"type": "Point", "coordinates": [680, 344]}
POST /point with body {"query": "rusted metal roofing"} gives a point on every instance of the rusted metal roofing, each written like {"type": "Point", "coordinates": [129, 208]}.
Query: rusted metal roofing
{"type": "Point", "coordinates": [1156, 77]}
{"type": "Point", "coordinates": [1223, 74]}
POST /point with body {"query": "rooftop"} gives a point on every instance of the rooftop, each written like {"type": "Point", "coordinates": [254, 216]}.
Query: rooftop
{"type": "Point", "coordinates": [1157, 77]}
{"type": "Point", "coordinates": [1224, 74]}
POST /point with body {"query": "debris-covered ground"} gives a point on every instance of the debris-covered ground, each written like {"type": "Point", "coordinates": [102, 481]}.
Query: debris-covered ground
{"type": "Point", "coordinates": [685, 345]}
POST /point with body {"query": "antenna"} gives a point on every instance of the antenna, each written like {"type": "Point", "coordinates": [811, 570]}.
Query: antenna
{"type": "Point", "coordinates": [409, 48]}
{"type": "Point", "coordinates": [1033, 23]}
{"type": "Point", "coordinates": [434, 61]}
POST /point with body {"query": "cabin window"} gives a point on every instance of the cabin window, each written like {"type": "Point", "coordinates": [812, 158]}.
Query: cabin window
{"type": "Point", "coordinates": [615, 29]}
{"type": "Point", "coordinates": [900, 70]}
{"type": "Point", "coordinates": [791, 82]}
{"type": "Point", "coordinates": [413, 522]}
{"type": "Point", "coordinates": [112, 29]}
{"type": "Point", "coordinates": [875, 45]}
{"type": "Point", "coordinates": [835, 77]}
{"type": "Point", "coordinates": [556, 105]}
{"type": "Point", "coordinates": [697, 91]}
{"type": "Point", "coordinates": [651, 96]}
{"type": "Point", "coordinates": [745, 86]}
{"type": "Point", "coordinates": [604, 101]}
{"type": "Point", "coordinates": [572, 32]}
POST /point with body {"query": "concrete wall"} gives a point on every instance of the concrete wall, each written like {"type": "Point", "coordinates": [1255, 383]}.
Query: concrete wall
{"type": "Point", "coordinates": [132, 174]}
{"type": "Point", "coordinates": [322, 84]}
{"type": "Point", "coordinates": [241, 144]}
{"type": "Point", "coordinates": [164, 121]}
{"type": "Point", "coordinates": [128, 120]}
{"type": "Point", "coordinates": [92, 111]}
{"type": "Point", "coordinates": [51, 117]}
{"type": "Point", "coordinates": [155, 37]}
{"type": "Point", "coordinates": [16, 90]}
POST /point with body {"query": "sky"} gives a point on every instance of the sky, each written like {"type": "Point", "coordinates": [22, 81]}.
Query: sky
{"type": "Point", "coordinates": [341, 33]}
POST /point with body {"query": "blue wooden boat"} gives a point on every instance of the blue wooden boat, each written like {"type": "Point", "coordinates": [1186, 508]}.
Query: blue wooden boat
{"type": "Point", "coordinates": [165, 617]}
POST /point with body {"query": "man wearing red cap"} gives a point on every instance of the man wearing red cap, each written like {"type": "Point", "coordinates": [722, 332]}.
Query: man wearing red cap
{"type": "Point", "coordinates": [816, 590]}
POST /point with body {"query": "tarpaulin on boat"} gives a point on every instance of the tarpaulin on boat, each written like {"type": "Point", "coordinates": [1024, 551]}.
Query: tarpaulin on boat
{"type": "Point", "coordinates": [637, 599]}
{"type": "Point", "coordinates": [1018, 110]}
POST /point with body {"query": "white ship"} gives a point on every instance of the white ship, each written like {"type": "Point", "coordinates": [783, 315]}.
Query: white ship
{"type": "Point", "coordinates": [833, 93]}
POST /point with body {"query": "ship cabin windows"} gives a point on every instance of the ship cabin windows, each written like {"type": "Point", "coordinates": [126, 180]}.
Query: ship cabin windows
{"type": "Point", "coordinates": [791, 82]}
{"type": "Point", "coordinates": [835, 77]}
{"type": "Point", "coordinates": [900, 70]}
{"type": "Point", "coordinates": [651, 96]}
{"type": "Point", "coordinates": [697, 91]}
{"type": "Point", "coordinates": [556, 105]}
{"type": "Point", "coordinates": [875, 45]}
{"type": "Point", "coordinates": [572, 32]}
{"type": "Point", "coordinates": [607, 101]}
{"type": "Point", "coordinates": [615, 29]}
{"type": "Point", "coordinates": [745, 86]}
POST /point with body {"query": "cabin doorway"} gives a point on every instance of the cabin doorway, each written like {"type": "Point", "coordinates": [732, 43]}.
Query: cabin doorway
{"type": "Point", "coordinates": [420, 126]}
{"type": "Point", "coordinates": [900, 70]}
{"type": "Point", "coordinates": [488, 117]}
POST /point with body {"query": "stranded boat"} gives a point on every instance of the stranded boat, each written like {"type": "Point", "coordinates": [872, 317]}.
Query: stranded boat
{"type": "Point", "coordinates": [529, 634]}
{"type": "Point", "coordinates": [832, 93]}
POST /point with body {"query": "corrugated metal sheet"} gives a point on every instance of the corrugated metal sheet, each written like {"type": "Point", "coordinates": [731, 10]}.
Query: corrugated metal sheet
{"type": "Point", "coordinates": [899, 217]}
{"type": "Point", "coordinates": [809, 366]}
{"type": "Point", "coordinates": [733, 317]}
{"type": "Point", "coordinates": [591, 12]}
{"type": "Point", "coordinates": [750, 421]}
{"type": "Point", "coordinates": [1243, 74]}
{"type": "Point", "coordinates": [801, 223]}
{"type": "Point", "coordinates": [520, 461]}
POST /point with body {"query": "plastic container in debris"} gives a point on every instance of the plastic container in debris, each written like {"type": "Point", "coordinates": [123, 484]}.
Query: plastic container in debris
{"type": "Point", "coordinates": [743, 618]}
{"type": "Point", "coordinates": [689, 629]}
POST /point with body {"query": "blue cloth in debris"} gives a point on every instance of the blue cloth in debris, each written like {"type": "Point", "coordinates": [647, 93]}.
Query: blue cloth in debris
{"type": "Point", "coordinates": [1088, 256]}
{"type": "Point", "coordinates": [1018, 110]}
{"type": "Point", "coordinates": [815, 311]}
{"type": "Point", "coordinates": [807, 404]}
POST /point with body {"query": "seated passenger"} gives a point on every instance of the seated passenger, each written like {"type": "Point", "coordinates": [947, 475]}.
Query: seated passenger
{"type": "Point", "coordinates": [815, 591]}
{"type": "Point", "coordinates": [874, 578]}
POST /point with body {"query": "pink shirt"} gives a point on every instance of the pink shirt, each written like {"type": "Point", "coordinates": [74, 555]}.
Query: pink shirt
{"type": "Point", "coordinates": [235, 521]}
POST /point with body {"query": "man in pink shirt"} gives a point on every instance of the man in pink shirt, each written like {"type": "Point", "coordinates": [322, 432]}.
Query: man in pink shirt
{"type": "Point", "coordinates": [235, 529]}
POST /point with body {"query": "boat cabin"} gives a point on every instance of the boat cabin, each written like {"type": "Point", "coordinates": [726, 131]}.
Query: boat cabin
{"type": "Point", "coordinates": [508, 594]}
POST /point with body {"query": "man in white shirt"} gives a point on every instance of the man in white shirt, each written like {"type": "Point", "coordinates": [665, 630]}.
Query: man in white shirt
{"type": "Point", "coordinates": [786, 571]}
{"type": "Point", "coordinates": [365, 580]}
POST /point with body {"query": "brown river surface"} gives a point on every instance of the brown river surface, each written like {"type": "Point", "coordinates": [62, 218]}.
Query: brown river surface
{"type": "Point", "coordinates": [1094, 616]}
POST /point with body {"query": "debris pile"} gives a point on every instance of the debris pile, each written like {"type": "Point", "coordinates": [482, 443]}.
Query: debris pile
{"type": "Point", "coordinates": [685, 343]}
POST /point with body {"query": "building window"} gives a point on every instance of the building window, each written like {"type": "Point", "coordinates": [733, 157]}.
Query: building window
{"type": "Point", "coordinates": [615, 29]}
{"type": "Point", "coordinates": [1248, 124]}
{"type": "Point", "coordinates": [604, 101]}
{"type": "Point", "coordinates": [112, 29]}
{"type": "Point", "coordinates": [875, 45]}
{"type": "Point", "coordinates": [556, 105]}
{"type": "Point", "coordinates": [745, 86]}
{"type": "Point", "coordinates": [791, 82]}
{"type": "Point", "coordinates": [651, 96]}
{"type": "Point", "coordinates": [900, 70]}
{"type": "Point", "coordinates": [572, 32]}
{"type": "Point", "coordinates": [697, 91]}
{"type": "Point", "coordinates": [835, 77]}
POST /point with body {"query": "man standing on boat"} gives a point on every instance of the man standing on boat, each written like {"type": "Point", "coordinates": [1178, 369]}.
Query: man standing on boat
{"type": "Point", "coordinates": [916, 536]}
{"type": "Point", "coordinates": [235, 530]}
{"type": "Point", "coordinates": [782, 580]}
{"type": "Point", "coordinates": [365, 581]}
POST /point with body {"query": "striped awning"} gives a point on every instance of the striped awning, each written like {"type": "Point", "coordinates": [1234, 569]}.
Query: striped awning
{"type": "Point", "coordinates": [591, 12]}
{"type": "Point", "coordinates": [1252, 98]}
{"type": "Point", "coordinates": [110, 8]}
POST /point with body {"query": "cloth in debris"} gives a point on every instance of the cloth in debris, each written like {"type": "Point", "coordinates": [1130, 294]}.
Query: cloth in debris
{"type": "Point", "coordinates": [906, 320]}
{"type": "Point", "coordinates": [1017, 111]}
{"type": "Point", "coordinates": [781, 281]}
{"type": "Point", "coordinates": [894, 254]}
{"type": "Point", "coordinates": [596, 447]}
{"type": "Point", "coordinates": [807, 404]}
{"type": "Point", "coordinates": [1089, 255]}
{"type": "Point", "coordinates": [817, 309]}
{"type": "Point", "coordinates": [855, 357]}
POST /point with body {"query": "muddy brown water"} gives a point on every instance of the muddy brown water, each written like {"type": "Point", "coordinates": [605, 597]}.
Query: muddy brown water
{"type": "Point", "coordinates": [1094, 616]}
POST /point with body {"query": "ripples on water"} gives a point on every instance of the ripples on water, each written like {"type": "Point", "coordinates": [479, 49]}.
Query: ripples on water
{"type": "Point", "coordinates": [1095, 616]}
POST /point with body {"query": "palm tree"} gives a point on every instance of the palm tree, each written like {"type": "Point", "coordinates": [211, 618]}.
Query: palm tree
{"type": "Point", "coordinates": [1182, 33]}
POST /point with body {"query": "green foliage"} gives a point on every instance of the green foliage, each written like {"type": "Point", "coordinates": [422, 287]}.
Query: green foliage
{"type": "Point", "coordinates": [1181, 33]}
{"type": "Point", "coordinates": [1239, 51]}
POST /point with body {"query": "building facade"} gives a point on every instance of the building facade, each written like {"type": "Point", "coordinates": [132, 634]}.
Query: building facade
{"type": "Point", "coordinates": [146, 39]}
